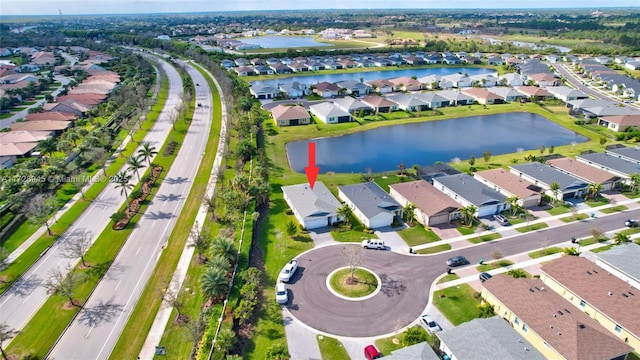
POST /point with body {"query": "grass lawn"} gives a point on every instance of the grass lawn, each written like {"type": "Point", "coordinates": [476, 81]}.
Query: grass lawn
{"type": "Point", "coordinates": [610, 210]}
{"type": "Point", "coordinates": [362, 284]}
{"type": "Point", "coordinates": [389, 179]}
{"type": "Point", "coordinates": [467, 230]}
{"type": "Point", "coordinates": [573, 218]}
{"type": "Point", "coordinates": [331, 348]}
{"type": "Point", "coordinates": [559, 209]}
{"type": "Point", "coordinates": [434, 249]}
{"type": "Point", "coordinates": [599, 201]}
{"type": "Point", "coordinates": [494, 265]}
{"type": "Point", "coordinates": [448, 277]}
{"type": "Point", "coordinates": [548, 251]}
{"type": "Point", "coordinates": [395, 342]}
{"type": "Point", "coordinates": [602, 248]}
{"type": "Point", "coordinates": [418, 235]}
{"type": "Point", "coordinates": [355, 234]}
{"type": "Point", "coordinates": [485, 238]}
{"type": "Point", "coordinates": [532, 227]}
{"type": "Point", "coordinates": [457, 303]}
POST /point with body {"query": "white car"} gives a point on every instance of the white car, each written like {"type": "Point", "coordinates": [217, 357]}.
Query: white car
{"type": "Point", "coordinates": [373, 244]}
{"type": "Point", "coordinates": [288, 271]}
{"type": "Point", "coordinates": [282, 294]}
{"type": "Point", "coordinates": [431, 326]}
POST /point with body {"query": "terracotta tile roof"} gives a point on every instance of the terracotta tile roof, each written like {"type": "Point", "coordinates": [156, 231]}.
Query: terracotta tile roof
{"type": "Point", "coordinates": [582, 170]}
{"type": "Point", "coordinates": [41, 125]}
{"type": "Point", "coordinates": [19, 149]}
{"type": "Point", "coordinates": [377, 101]}
{"type": "Point", "coordinates": [23, 136]}
{"type": "Point", "coordinates": [52, 115]}
{"type": "Point", "coordinates": [282, 112]}
{"type": "Point", "coordinates": [624, 120]}
{"type": "Point", "coordinates": [510, 182]}
{"type": "Point", "coordinates": [327, 86]}
{"type": "Point", "coordinates": [85, 98]}
{"type": "Point", "coordinates": [533, 91]}
{"type": "Point", "coordinates": [425, 197]}
{"type": "Point", "coordinates": [600, 289]}
{"type": "Point", "coordinates": [564, 327]}
{"type": "Point", "coordinates": [481, 93]}
{"type": "Point", "coordinates": [541, 77]}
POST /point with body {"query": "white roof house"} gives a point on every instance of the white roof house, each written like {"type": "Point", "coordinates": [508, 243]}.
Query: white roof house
{"type": "Point", "coordinates": [313, 208]}
{"type": "Point", "coordinates": [330, 113]}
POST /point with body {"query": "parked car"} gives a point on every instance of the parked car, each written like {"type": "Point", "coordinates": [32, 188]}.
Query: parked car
{"type": "Point", "coordinates": [282, 294]}
{"type": "Point", "coordinates": [287, 272]}
{"type": "Point", "coordinates": [373, 244]}
{"type": "Point", "coordinates": [485, 276]}
{"type": "Point", "coordinates": [632, 223]}
{"type": "Point", "coordinates": [431, 326]}
{"type": "Point", "coordinates": [371, 353]}
{"type": "Point", "coordinates": [501, 219]}
{"type": "Point", "coordinates": [457, 261]}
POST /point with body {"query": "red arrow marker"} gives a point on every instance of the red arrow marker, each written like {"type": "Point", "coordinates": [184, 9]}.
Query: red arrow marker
{"type": "Point", "coordinates": [312, 170]}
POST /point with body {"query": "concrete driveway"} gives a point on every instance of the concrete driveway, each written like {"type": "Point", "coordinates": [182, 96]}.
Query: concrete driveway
{"type": "Point", "coordinates": [392, 240]}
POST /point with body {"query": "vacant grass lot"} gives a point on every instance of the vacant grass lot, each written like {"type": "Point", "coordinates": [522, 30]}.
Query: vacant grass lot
{"type": "Point", "coordinates": [457, 303]}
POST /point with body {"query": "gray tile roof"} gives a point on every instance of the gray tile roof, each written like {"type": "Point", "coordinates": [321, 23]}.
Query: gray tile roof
{"type": "Point", "coordinates": [310, 204]}
{"type": "Point", "coordinates": [625, 258]}
{"type": "Point", "coordinates": [505, 92]}
{"type": "Point", "coordinates": [370, 199]}
{"type": "Point", "coordinates": [547, 175]}
{"type": "Point", "coordinates": [627, 153]}
{"type": "Point", "coordinates": [420, 351]}
{"type": "Point", "coordinates": [607, 162]}
{"type": "Point", "coordinates": [350, 104]}
{"type": "Point", "coordinates": [471, 189]}
{"type": "Point", "coordinates": [488, 339]}
{"type": "Point", "coordinates": [406, 100]}
{"type": "Point", "coordinates": [431, 98]}
{"type": "Point", "coordinates": [454, 95]}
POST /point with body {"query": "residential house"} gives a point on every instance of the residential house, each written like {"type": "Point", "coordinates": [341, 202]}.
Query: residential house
{"type": "Point", "coordinates": [508, 94]}
{"type": "Point", "coordinates": [466, 190]}
{"type": "Point", "coordinates": [566, 93]}
{"type": "Point", "coordinates": [552, 58]}
{"type": "Point", "coordinates": [544, 176]}
{"type": "Point", "coordinates": [458, 80]}
{"type": "Point", "coordinates": [289, 115]}
{"type": "Point", "coordinates": [355, 88]}
{"type": "Point", "coordinates": [632, 65]}
{"type": "Point", "coordinates": [242, 62]}
{"type": "Point", "coordinates": [353, 106]}
{"type": "Point", "coordinates": [294, 90]}
{"type": "Point", "coordinates": [473, 60]}
{"type": "Point", "coordinates": [535, 93]}
{"type": "Point", "coordinates": [365, 63]}
{"type": "Point", "coordinates": [495, 61]}
{"type": "Point", "coordinates": [631, 154]}
{"type": "Point", "coordinates": [486, 339]}
{"type": "Point", "coordinates": [244, 71]}
{"type": "Point", "coordinates": [591, 108]}
{"type": "Point", "coordinates": [483, 96]}
{"type": "Point", "coordinates": [428, 172]}
{"type": "Point", "coordinates": [68, 106]}
{"type": "Point", "coordinates": [484, 80]}
{"type": "Point", "coordinates": [610, 163]}
{"type": "Point", "coordinates": [586, 173]}
{"type": "Point", "coordinates": [10, 152]}
{"type": "Point", "coordinates": [512, 79]}
{"type": "Point", "coordinates": [456, 97]}
{"type": "Point", "coordinates": [623, 261]}
{"type": "Point", "coordinates": [313, 208]}
{"type": "Point", "coordinates": [620, 123]}
{"type": "Point", "coordinates": [281, 68]}
{"type": "Point", "coordinates": [380, 104]}
{"type": "Point", "coordinates": [431, 82]}
{"type": "Point", "coordinates": [432, 99]}
{"type": "Point", "coordinates": [415, 60]}
{"type": "Point", "coordinates": [408, 102]}
{"type": "Point", "coordinates": [43, 58]}
{"type": "Point", "coordinates": [370, 204]}
{"type": "Point", "coordinates": [57, 127]}
{"type": "Point", "coordinates": [264, 91]}
{"type": "Point", "coordinates": [263, 70]}
{"type": "Point", "coordinates": [405, 83]}
{"type": "Point", "coordinates": [22, 136]}
{"type": "Point", "coordinates": [510, 185]}
{"type": "Point", "coordinates": [549, 322]}
{"type": "Point", "coordinates": [604, 297]}
{"type": "Point", "coordinates": [604, 60]}
{"type": "Point", "coordinates": [326, 89]}
{"type": "Point", "coordinates": [52, 115]}
{"type": "Point", "coordinates": [330, 113]}
{"type": "Point", "coordinates": [543, 79]}
{"type": "Point", "coordinates": [432, 207]}
{"type": "Point", "coordinates": [382, 86]}
{"type": "Point", "coordinates": [419, 351]}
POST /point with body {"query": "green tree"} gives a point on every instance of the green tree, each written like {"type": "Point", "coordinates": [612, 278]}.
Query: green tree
{"type": "Point", "coordinates": [147, 152]}
{"type": "Point", "coordinates": [409, 212]}
{"type": "Point", "coordinates": [134, 164]}
{"type": "Point", "coordinates": [277, 351]}
{"type": "Point", "coordinates": [121, 181]}
{"type": "Point", "coordinates": [634, 182]}
{"type": "Point", "coordinates": [486, 310]}
{"type": "Point", "coordinates": [593, 190]}
{"type": "Point", "coordinates": [225, 247]}
{"type": "Point", "coordinates": [468, 213]}
{"type": "Point", "coordinates": [621, 238]}
{"type": "Point", "coordinates": [292, 229]}
{"type": "Point", "coordinates": [551, 149]}
{"type": "Point", "coordinates": [214, 282]}
{"type": "Point", "coordinates": [47, 146]}
{"type": "Point", "coordinates": [514, 205]}
{"type": "Point", "coordinates": [225, 340]}
{"type": "Point", "coordinates": [344, 212]}
{"type": "Point", "coordinates": [472, 160]}
{"type": "Point", "coordinates": [542, 149]}
{"type": "Point", "coordinates": [603, 140]}
{"type": "Point", "coordinates": [413, 335]}
{"type": "Point", "coordinates": [486, 156]}
{"type": "Point", "coordinates": [571, 251]}
{"type": "Point", "coordinates": [38, 209]}
{"type": "Point", "coordinates": [555, 189]}
{"type": "Point", "coordinates": [220, 262]}
{"type": "Point", "coordinates": [200, 241]}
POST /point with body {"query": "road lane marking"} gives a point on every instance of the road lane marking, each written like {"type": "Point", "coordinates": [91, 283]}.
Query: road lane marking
{"type": "Point", "coordinates": [140, 248]}
{"type": "Point", "coordinates": [118, 285]}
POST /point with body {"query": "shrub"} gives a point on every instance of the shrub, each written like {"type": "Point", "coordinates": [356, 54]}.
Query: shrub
{"type": "Point", "coordinates": [277, 351]}
{"type": "Point", "coordinates": [117, 216]}
{"type": "Point", "coordinates": [145, 178]}
{"type": "Point", "coordinates": [289, 212]}
{"type": "Point", "coordinates": [136, 194]}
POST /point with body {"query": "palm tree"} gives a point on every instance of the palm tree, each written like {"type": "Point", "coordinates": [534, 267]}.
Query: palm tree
{"type": "Point", "coordinates": [555, 189]}
{"type": "Point", "coordinates": [224, 246]}
{"type": "Point", "coordinates": [593, 190]}
{"type": "Point", "coordinates": [135, 165]}
{"type": "Point", "coordinates": [214, 282]}
{"type": "Point", "coordinates": [225, 340]}
{"type": "Point", "coordinates": [468, 213]}
{"type": "Point", "coordinates": [47, 146]}
{"type": "Point", "coordinates": [514, 204]}
{"type": "Point", "coordinates": [344, 212]}
{"type": "Point", "coordinates": [220, 262]}
{"type": "Point", "coordinates": [122, 182]}
{"type": "Point", "coordinates": [409, 211]}
{"type": "Point", "coordinates": [621, 238]}
{"type": "Point", "coordinates": [147, 152]}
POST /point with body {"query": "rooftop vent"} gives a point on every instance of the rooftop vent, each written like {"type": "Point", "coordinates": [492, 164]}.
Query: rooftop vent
{"type": "Point", "coordinates": [589, 272]}
{"type": "Point", "coordinates": [625, 295]}
{"type": "Point", "coordinates": [610, 293]}
{"type": "Point", "coordinates": [567, 311]}
{"type": "Point", "coordinates": [531, 290]}
{"type": "Point", "coordinates": [560, 312]}
{"type": "Point", "coordinates": [630, 293]}
{"type": "Point", "coordinates": [594, 270]}
{"type": "Point", "coordinates": [581, 326]}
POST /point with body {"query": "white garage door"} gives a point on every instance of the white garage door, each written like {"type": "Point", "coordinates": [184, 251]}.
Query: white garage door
{"type": "Point", "coordinates": [315, 223]}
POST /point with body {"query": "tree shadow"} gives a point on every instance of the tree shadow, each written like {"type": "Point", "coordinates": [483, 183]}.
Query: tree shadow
{"type": "Point", "coordinates": [104, 203]}
{"type": "Point", "coordinates": [114, 270]}
{"type": "Point", "coordinates": [24, 287]}
{"type": "Point", "coordinates": [102, 312]}
{"type": "Point", "coordinates": [170, 197]}
{"type": "Point", "coordinates": [178, 180]}
{"type": "Point", "coordinates": [158, 215]}
{"type": "Point", "coordinates": [391, 287]}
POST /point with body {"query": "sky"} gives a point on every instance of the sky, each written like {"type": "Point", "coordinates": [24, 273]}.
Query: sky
{"type": "Point", "coordinates": [83, 7]}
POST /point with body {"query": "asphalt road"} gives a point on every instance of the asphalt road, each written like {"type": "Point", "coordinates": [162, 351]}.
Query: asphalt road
{"type": "Point", "coordinates": [406, 279]}
{"type": "Point", "coordinates": [95, 331]}
{"type": "Point", "coordinates": [20, 302]}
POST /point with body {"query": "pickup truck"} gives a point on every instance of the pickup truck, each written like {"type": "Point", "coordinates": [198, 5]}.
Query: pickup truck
{"type": "Point", "coordinates": [287, 272]}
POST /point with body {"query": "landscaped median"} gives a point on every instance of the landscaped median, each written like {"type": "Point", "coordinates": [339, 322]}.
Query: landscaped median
{"type": "Point", "coordinates": [40, 334]}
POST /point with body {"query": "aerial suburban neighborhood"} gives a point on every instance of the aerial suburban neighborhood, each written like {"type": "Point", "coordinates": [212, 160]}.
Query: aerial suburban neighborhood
{"type": "Point", "coordinates": [302, 181]}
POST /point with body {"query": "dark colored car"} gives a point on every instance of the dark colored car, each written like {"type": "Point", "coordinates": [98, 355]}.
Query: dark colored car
{"type": "Point", "coordinates": [485, 276]}
{"type": "Point", "coordinates": [371, 353]}
{"type": "Point", "coordinates": [457, 261]}
{"type": "Point", "coordinates": [632, 223]}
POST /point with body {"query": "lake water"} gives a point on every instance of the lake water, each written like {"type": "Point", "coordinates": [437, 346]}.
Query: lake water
{"type": "Point", "coordinates": [374, 75]}
{"type": "Point", "coordinates": [279, 42]}
{"type": "Point", "coordinates": [425, 143]}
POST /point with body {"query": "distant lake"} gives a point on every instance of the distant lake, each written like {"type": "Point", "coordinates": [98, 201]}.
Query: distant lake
{"type": "Point", "coordinates": [425, 143]}
{"type": "Point", "coordinates": [373, 75]}
{"type": "Point", "coordinates": [277, 42]}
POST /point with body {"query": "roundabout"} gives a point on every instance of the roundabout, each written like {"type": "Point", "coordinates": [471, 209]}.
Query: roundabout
{"type": "Point", "coordinates": [361, 285]}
